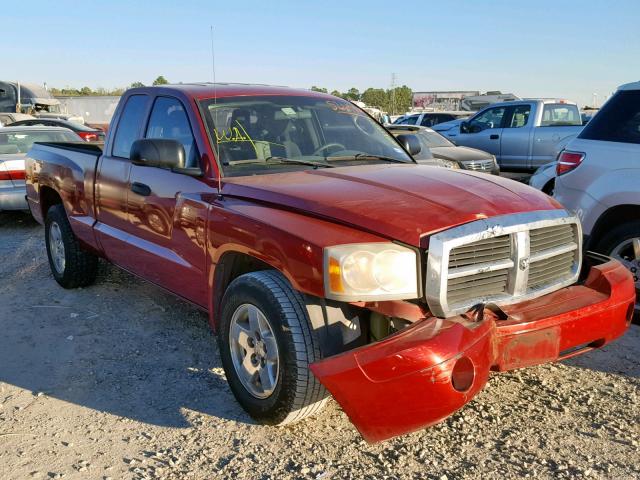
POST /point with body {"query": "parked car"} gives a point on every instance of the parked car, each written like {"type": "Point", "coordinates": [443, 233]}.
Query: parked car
{"type": "Point", "coordinates": [523, 135]}
{"type": "Point", "coordinates": [14, 144]}
{"type": "Point", "coordinates": [599, 179]}
{"type": "Point", "coordinates": [324, 255]}
{"type": "Point", "coordinates": [86, 133]}
{"type": "Point", "coordinates": [544, 178]}
{"type": "Point", "coordinates": [7, 118]}
{"type": "Point", "coordinates": [429, 119]}
{"type": "Point", "coordinates": [439, 148]}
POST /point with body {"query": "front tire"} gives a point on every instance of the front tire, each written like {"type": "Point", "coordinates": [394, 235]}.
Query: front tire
{"type": "Point", "coordinates": [71, 266]}
{"type": "Point", "coordinates": [623, 244]}
{"type": "Point", "coordinates": [266, 345]}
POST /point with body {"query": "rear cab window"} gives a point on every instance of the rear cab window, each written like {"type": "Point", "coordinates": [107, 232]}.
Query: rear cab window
{"type": "Point", "coordinates": [617, 121]}
{"type": "Point", "coordinates": [128, 128]}
{"type": "Point", "coordinates": [560, 114]}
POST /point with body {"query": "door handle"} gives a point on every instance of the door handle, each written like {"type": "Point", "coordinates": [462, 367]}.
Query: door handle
{"type": "Point", "coordinates": [494, 137]}
{"type": "Point", "coordinates": [141, 189]}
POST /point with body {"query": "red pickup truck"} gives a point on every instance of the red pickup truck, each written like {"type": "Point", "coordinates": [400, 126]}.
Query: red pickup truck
{"type": "Point", "coordinates": [326, 258]}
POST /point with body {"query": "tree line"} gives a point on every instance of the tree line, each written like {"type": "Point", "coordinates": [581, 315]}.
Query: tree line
{"type": "Point", "coordinates": [87, 91]}
{"type": "Point", "coordinates": [393, 101]}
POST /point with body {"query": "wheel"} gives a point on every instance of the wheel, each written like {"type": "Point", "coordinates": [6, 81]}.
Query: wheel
{"type": "Point", "coordinates": [327, 146]}
{"type": "Point", "coordinates": [71, 266]}
{"type": "Point", "coordinates": [623, 244]}
{"type": "Point", "coordinates": [266, 346]}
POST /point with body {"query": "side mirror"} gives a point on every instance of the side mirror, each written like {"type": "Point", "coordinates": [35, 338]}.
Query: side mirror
{"type": "Point", "coordinates": [410, 143]}
{"type": "Point", "coordinates": [158, 152]}
{"type": "Point", "coordinates": [464, 127]}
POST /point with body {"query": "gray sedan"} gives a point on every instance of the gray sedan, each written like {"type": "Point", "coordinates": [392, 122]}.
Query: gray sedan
{"type": "Point", "coordinates": [15, 142]}
{"type": "Point", "coordinates": [436, 148]}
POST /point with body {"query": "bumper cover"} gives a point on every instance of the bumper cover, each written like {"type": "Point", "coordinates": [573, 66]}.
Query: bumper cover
{"type": "Point", "coordinates": [423, 374]}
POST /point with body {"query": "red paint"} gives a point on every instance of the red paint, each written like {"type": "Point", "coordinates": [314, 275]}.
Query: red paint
{"type": "Point", "coordinates": [177, 236]}
{"type": "Point", "coordinates": [403, 383]}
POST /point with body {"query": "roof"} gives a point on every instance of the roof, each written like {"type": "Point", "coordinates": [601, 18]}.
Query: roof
{"type": "Point", "coordinates": [211, 90]}
{"type": "Point", "coordinates": [630, 86]}
{"type": "Point", "coordinates": [32, 128]}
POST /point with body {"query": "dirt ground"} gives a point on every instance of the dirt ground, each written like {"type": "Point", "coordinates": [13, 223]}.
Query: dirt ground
{"type": "Point", "coordinates": [122, 380]}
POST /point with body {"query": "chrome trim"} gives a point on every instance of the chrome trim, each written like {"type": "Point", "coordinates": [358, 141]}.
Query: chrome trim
{"type": "Point", "coordinates": [518, 227]}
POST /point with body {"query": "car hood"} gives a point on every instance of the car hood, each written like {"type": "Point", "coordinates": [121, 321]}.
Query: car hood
{"type": "Point", "coordinates": [400, 202]}
{"type": "Point", "coordinates": [440, 127]}
{"type": "Point", "coordinates": [460, 154]}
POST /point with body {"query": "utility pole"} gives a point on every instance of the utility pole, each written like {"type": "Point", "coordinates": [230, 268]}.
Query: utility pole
{"type": "Point", "coordinates": [393, 94]}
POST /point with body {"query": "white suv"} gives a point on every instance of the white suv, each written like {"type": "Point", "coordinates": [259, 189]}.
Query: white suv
{"type": "Point", "coordinates": [598, 177]}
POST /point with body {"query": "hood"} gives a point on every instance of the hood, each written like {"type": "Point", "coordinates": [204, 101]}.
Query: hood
{"type": "Point", "coordinates": [399, 202]}
{"type": "Point", "coordinates": [441, 127]}
{"type": "Point", "coordinates": [460, 154]}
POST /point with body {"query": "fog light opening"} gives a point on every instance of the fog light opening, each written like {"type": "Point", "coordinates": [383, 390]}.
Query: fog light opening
{"type": "Point", "coordinates": [630, 311]}
{"type": "Point", "coordinates": [463, 374]}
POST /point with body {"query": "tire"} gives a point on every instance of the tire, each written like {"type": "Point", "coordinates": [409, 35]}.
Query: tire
{"type": "Point", "coordinates": [79, 267]}
{"type": "Point", "coordinates": [610, 244]}
{"type": "Point", "coordinates": [295, 393]}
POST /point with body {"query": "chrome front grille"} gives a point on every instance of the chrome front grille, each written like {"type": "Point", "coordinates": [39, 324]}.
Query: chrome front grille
{"type": "Point", "coordinates": [502, 260]}
{"type": "Point", "coordinates": [479, 165]}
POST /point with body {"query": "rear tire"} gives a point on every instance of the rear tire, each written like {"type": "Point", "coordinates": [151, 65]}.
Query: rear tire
{"type": "Point", "coordinates": [71, 266]}
{"type": "Point", "coordinates": [618, 243]}
{"type": "Point", "coordinates": [268, 371]}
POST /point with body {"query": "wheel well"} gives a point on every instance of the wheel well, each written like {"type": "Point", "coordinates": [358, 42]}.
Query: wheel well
{"type": "Point", "coordinates": [610, 218]}
{"type": "Point", "coordinates": [230, 266]}
{"type": "Point", "coordinates": [48, 198]}
{"type": "Point", "coordinates": [549, 186]}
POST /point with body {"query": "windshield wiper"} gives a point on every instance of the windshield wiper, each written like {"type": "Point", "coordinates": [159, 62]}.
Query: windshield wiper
{"type": "Point", "coordinates": [366, 156]}
{"type": "Point", "coordinates": [298, 162]}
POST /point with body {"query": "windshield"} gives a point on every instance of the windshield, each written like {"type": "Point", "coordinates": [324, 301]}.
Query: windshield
{"type": "Point", "coordinates": [266, 134]}
{"type": "Point", "coordinates": [21, 142]}
{"type": "Point", "coordinates": [434, 140]}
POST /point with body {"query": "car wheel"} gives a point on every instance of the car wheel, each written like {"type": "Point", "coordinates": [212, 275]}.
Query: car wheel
{"type": "Point", "coordinates": [266, 345]}
{"type": "Point", "coordinates": [623, 244]}
{"type": "Point", "coordinates": [71, 266]}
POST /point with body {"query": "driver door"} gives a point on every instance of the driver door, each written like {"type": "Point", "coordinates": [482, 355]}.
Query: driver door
{"type": "Point", "coordinates": [484, 131]}
{"type": "Point", "coordinates": [167, 211]}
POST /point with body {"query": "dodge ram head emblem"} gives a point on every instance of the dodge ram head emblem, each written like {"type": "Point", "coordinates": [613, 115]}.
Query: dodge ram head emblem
{"type": "Point", "coordinates": [524, 263]}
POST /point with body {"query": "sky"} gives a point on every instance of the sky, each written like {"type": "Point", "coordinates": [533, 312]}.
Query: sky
{"type": "Point", "coordinates": [568, 49]}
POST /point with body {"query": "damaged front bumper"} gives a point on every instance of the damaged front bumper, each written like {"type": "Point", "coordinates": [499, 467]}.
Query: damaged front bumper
{"type": "Point", "coordinates": [426, 372]}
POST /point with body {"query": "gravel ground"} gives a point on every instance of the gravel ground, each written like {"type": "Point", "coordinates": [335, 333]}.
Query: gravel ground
{"type": "Point", "coordinates": [122, 380]}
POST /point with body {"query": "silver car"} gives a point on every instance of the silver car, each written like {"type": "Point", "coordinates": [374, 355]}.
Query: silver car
{"type": "Point", "coordinates": [15, 142]}
{"type": "Point", "coordinates": [598, 177]}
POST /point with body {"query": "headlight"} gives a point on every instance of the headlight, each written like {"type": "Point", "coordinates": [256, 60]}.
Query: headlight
{"type": "Point", "coordinates": [370, 271]}
{"type": "Point", "coordinates": [450, 164]}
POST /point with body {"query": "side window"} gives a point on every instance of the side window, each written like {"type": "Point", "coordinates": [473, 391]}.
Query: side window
{"type": "Point", "coordinates": [428, 120]}
{"type": "Point", "coordinates": [491, 118]}
{"type": "Point", "coordinates": [520, 116]}
{"type": "Point", "coordinates": [169, 120]}
{"type": "Point", "coordinates": [558, 114]}
{"type": "Point", "coordinates": [410, 120]}
{"type": "Point", "coordinates": [617, 121]}
{"type": "Point", "coordinates": [128, 128]}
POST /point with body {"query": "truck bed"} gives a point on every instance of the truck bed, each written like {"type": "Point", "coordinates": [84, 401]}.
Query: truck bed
{"type": "Point", "coordinates": [68, 169]}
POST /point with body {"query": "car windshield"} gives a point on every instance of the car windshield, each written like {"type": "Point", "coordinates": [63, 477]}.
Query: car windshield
{"type": "Point", "coordinates": [266, 134]}
{"type": "Point", "coordinates": [21, 142]}
{"type": "Point", "coordinates": [434, 140]}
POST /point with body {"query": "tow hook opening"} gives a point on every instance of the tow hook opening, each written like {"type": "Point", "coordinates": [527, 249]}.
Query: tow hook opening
{"type": "Point", "coordinates": [463, 374]}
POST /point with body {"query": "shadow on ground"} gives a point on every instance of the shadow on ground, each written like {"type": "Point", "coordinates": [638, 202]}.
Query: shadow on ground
{"type": "Point", "coordinates": [122, 346]}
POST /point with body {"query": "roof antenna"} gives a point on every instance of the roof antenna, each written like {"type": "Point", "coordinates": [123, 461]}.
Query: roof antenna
{"type": "Point", "coordinates": [215, 103]}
